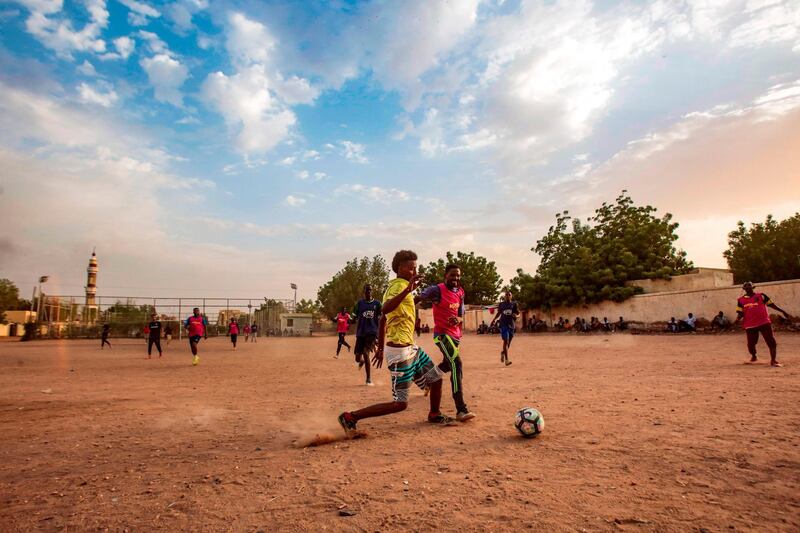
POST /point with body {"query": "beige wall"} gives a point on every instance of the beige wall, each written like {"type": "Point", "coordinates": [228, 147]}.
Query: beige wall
{"type": "Point", "coordinates": [702, 278]}
{"type": "Point", "coordinates": [703, 303]}
{"type": "Point", "coordinates": [19, 318]}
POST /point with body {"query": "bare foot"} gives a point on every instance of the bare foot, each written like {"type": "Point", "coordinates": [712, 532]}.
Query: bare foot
{"type": "Point", "coordinates": [776, 364]}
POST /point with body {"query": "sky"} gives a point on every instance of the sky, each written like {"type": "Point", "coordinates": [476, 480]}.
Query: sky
{"type": "Point", "coordinates": [231, 148]}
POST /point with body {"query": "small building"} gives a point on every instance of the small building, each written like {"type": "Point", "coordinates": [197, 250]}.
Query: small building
{"type": "Point", "coordinates": [296, 324]}
{"type": "Point", "coordinates": [15, 323]}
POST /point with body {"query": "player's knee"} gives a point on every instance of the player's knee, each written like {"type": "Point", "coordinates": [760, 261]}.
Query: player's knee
{"type": "Point", "coordinates": [400, 406]}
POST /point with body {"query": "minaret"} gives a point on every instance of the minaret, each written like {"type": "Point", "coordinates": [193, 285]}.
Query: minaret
{"type": "Point", "coordinates": [91, 289]}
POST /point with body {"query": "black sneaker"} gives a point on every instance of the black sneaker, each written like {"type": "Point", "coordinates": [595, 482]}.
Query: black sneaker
{"type": "Point", "coordinates": [442, 420]}
{"type": "Point", "coordinates": [347, 422]}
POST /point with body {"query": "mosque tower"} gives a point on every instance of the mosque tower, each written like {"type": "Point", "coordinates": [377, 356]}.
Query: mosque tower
{"type": "Point", "coordinates": [91, 289]}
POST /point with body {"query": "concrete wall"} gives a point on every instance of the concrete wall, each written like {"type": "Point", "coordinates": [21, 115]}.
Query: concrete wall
{"type": "Point", "coordinates": [19, 318]}
{"type": "Point", "coordinates": [703, 303]}
{"type": "Point", "coordinates": [701, 278]}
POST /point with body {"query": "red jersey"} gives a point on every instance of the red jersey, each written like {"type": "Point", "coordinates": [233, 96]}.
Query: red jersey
{"type": "Point", "coordinates": [233, 328]}
{"type": "Point", "coordinates": [342, 322]}
{"type": "Point", "coordinates": [754, 310]}
{"type": "Point", "coordinates": [196, 325]}
{"type": "Point", "coordinates": [448, 306]}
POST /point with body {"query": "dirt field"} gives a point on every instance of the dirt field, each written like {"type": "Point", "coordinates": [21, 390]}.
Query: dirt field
{"type": "Point", "coordinates": [644, 433]}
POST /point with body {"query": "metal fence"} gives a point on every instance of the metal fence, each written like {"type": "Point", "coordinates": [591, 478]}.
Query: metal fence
{"type": "Point", "coordinates": [70, 317]}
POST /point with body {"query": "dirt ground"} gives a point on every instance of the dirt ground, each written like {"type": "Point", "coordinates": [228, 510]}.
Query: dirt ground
{"type": "Point", "coordinates": [643, 433]}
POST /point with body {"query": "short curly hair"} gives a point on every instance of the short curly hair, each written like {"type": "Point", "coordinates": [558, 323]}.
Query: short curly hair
{"type": "Point", "coordinates": [401, 257]}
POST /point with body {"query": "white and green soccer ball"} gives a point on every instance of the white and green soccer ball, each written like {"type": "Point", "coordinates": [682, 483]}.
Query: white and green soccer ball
{"type": "Point", "coordinates": [529, 422]}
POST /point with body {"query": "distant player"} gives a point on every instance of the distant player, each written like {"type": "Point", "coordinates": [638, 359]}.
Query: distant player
{"type": "Point", "coordinates": [507, 313]}
{"type": "Point", "coordinates": [367, 316]}
{"type": "Point", "coordinates": [196, 326]}
{"type": "Point", "coordinates": [168, 333]}
{"type": "Point", "coordinates": [246, 332]}
{"type": "Point", "coordinates": [342, 324]}
{"type": "Point", "coordinates": [104, 336]}
{"type": "Point", "coordinates": [406, 361]}
{"type": "Point", "coordinates": [752, 310]}
{"type": "Point", "coordinates": [254, 332]}
{"type": "Point", "coordinates": [233, 331]}
{"type": "Point", "coordinates": [154, 335]}
{"type": "Point", "coordinates": [448, 316]}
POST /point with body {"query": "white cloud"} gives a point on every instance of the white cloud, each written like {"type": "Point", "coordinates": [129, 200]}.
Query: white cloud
{"type": "Point", "coordinates": [310, 154]}
{"type": "Point", "coordinates": [182, 11]}
{"type": "Point", "coordinates": [140, 13]}
{"type": "Point", "coordinates": [287, 161]}
{"type": "Point", "coordinates": [258, 119]}
{"type": "Point", "coordinates": [373, 194]}
{"type": "Point", "coordinates": [87, 69]}
{"type": "Point", "coordinates": [166, 75]}
{"type": "Point", "coordinates": [59, 35]}
{"type": "Point", "coordinates": [256, 100]}
{"type": "Point", "coordinates": [353, 151]}
{"type": "Point", "coordinates": [302, 174]}
{"type": "Point", "coordinates": [154, 42]}
{"type": "Point", "coordinates": [96, 96]}
{"type": "Point", "coordinates": [295, 201]}
{"type": "Point", "coordinates": [124, 46]}
{"type": "Point", "coordinates": [319, 176]}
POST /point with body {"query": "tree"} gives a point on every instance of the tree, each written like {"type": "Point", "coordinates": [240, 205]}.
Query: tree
{"type": "Point", "coordinates": [129, 313]}
{"type": "Point", "coordinates": [9, 298]}
{"type": "Point", "coordinates": [765, 252]}
{"type": "Point", "coordinates": [584, 263]}
{"type": "Point", "coordinates": [479, 276]}
{"type": "Point", "coordinates": [309, 306]}
{"type": "Point", "coordinates": [347, 286]}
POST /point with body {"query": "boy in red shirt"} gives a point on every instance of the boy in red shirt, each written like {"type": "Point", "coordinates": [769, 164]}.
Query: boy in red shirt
{"type": "Point", "coordinates": [342, 324]}
{"type": "Point", "coordinates": [752, 310]}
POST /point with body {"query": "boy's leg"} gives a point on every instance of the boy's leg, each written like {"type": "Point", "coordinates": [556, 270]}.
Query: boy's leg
{"type": "Point", "coordinates": [452, 364]}
{"type": "Point", "coordinates": [752, 340]}
{"type": "Point", "coordinates": [158, 346]}
{"type": "Point", "coordinates": [769, 338]}
{"type": "Point", "coordinates": [149, 347]}
{"type": "Point", "coordinates": [339, 344]}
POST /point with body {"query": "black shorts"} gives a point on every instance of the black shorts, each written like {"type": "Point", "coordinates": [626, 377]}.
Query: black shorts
{"type": "Point", "coordinates": [194, 339]}
{"type": "Point", "coordinates": [364, 344]}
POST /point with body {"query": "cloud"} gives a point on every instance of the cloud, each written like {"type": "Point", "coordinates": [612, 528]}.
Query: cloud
{"type": "Point", "coordinates": [287, 161]}
{"type": "Point", "coordinates": [95, 95]}
{"type": "Point", "coordinates": [166, 75]}
{"type": "Point", "coordinates": [311, 154]}
{"type": "Point", "coordinates": [294, 201]}
{"type": "Point", "coordinates": [180, 13]}
{"type": "Point", "coordinates": [124, 46]}
{"type": "Point", "coordinates": [154, 42]}
{"type": "Point", "coordinates": [255, 101]}
{"type": "Point", "coordinates": [87, 69]}
{"type": "Point", "coordinates": [59, 35]}
{"type": "Point", "coordinates": [353, 151]}
{"type": "Point", "coordinates": [140, 13]}
{"type": "Point", "coordinates": [258, 120]}
{"type": "Point", "coordinates": [302, 174]}
{"type": "Point", "coordinates": [373, 194]}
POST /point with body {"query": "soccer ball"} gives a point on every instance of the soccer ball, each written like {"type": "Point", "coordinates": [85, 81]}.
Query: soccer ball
{"type": "Point", "coordinates": [529, 422]}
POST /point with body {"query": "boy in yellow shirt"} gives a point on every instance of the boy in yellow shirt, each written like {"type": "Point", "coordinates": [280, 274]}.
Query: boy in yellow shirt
{"type": "Point", "coordinates": [406, 361]}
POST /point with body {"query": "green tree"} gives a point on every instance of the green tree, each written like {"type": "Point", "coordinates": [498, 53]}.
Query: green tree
{"type": "Point", "coordinates": [584, 263]}
{"type": "Point", "coordinates": [765, 252]}
{"type": "Point", "coordinates": [129, 313]}
{"type": "Point", "coordinates": [9, 298]}
{"type": "Point", "coordinates": [347, 286]}
{"type": "Point", "coordinates": [309, 306]}
{"type": "Point", "coordinates": [479, 276]}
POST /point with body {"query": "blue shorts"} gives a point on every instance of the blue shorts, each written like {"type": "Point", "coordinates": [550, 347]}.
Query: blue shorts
{"type": "Point", "coordinates": [194, 339]}
{"type": "Point", "coordinates": [506, 333]}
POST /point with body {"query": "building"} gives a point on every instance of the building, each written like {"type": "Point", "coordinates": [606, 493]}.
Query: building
{"type": "Point", "coordinates": [296, 324]}
{"type": "Point", "coordinates": [16, 320]}
{"type": "Point", "coordinates": [90, 309]}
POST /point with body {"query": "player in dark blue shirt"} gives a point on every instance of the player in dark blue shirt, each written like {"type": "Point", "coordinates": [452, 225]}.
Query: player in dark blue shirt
{"type": "Point", "coordinates": [367, 315]}
{"type": "Point", "coordinates": [507, 313]}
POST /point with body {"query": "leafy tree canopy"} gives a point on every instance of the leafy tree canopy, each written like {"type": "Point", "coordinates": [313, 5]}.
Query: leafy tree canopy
{"type": "Point", "coordinates": [347, 286]}
{"type": "Point", "coordinates": [765, 252]}
{"type": "Point", "coordinates": [309, 306]}
{"type": "Point", "coordinates": [590, 262]}
{"type": "Point", "coordinates": [9, 297]}
{"type": "Point", "coordinates": [479, 276]}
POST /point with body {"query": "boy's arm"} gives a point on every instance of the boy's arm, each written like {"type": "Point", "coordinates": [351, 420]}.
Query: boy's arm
{"type": "Point", "coordinates": [775, 307]}
{"type": "Point", "coordinates": [394, 302]}
{"type": "Point", "coordinates": [377, 359]}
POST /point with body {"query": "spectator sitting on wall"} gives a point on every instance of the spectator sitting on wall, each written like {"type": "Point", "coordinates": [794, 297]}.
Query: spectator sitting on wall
{"type": "Point", "coordinates": [567, 325]}
{"type": "Point", "coordinates": [594, 324]}
{"type": "Point", "coordinates": [606, 324]}
{"type": "Point", "coordinates": [720, 322]}
{"type": "Point", "coordinates": [560, 324]}
{"type": "Point", "coordinates": [483, 328]}
{"type": "Point", "coordinates": [585, 326]}
{"type": "Point", "coordinates": [577, 324]}
{"type": "Point", "coordinates": [690, 324]}
{"type": "Point", "coordinates": [621, 325]}
{"type": "Point", "coordinates": [672, 326]}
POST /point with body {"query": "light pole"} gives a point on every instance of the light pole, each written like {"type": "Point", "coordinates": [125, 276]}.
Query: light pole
{"type": "Point", "coordinates": [294, 286]}
{"type": "Point", "coordinates": [42, 279]}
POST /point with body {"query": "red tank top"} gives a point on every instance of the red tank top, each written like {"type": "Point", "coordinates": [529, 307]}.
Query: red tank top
{"type": "Point", "coordinates": [449, 304]}
{"type": "Point", "coordinates": [196, 326]}
{"type": "Point", "coordinates": [754, 310]}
